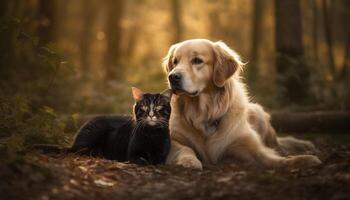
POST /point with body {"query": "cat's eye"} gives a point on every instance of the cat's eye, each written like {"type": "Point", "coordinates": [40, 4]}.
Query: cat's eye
{"type": "Point", "coordinates": [158, 108]}
{"type": "Point", "coordinates": [175, 61]}
{"type": "Point", "coordinates": [196, 61]}
{"type": "Point", "coordinates": [144, 108]}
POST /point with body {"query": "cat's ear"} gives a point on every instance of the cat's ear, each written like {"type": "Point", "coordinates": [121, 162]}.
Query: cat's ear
{"type": "Point", "coordinates": [136, 93]}
{"type": "Point", "coordinates": [168, 93]}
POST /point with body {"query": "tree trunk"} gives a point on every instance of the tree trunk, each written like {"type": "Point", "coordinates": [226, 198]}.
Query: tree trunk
{"type": "Point", "coordinates": [292, 72]}
{"type": "Point", "coordinates": [284, 122]}
{"type": "Point", "coordinates": [176, 16]}
{"type": "Point", "coordinates": [328, 35]}
{"type": "Point", "coordinates": [133, 37]}
{"type": "Point", "coordinates": [258, 12]}
{"type": "Point", "coordinates": [4, 6]}
{"type": "Point", "coordinates": [317, 122]}
{"type": "Point", "coordinates": [113, 38]}
{"type": "Point", "coordinates": [214, 22]}
{"type": "Point", "coordinates": [345, 68]}
{"type": "Point", "coordinates": [86, 37]}
{"type": "Point", "coordinates": [47, 21]}
{"type": "Point", "coordinates": [315, 29]}
{"type": "Point", "coordinates": [346, 65]}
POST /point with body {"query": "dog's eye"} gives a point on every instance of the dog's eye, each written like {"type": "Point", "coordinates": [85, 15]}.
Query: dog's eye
{"type": "Point", "coordinates": [196, 61]}
{"type": "Point", "coordinates": [175, 61]}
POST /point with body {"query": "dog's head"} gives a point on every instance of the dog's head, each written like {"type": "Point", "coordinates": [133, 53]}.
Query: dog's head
{"type": "Point", "coordinates": [193, 65]}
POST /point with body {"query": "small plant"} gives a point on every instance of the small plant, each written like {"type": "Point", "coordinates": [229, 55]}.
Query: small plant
{"type": "Point", "coordinates": [20, 126]}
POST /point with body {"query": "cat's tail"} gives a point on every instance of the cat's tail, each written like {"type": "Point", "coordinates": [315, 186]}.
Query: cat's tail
{"type": "Point", "coordinates": [56, 149]}
{"type": "Point", "coordinates": [50, 149]}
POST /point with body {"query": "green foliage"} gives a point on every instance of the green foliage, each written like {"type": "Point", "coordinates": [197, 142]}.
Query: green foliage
{"type": "Point", "coordinates": [35, 71]}
{"type": "Point", "coordinates": [34, 79]}
{"type": "Point", "coordinates": [329, 91]}
{"type": "Point", "coordinates": [21, 125]}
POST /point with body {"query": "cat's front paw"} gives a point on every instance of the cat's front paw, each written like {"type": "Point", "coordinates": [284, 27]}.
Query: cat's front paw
{"type": "Point", "coordinates": [190, 162]}
{"type": "Point", "coordinates": [140, 161]}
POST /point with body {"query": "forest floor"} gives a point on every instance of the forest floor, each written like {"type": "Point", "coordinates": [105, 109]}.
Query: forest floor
{"type": "Point", "coordinates": [72, 177]}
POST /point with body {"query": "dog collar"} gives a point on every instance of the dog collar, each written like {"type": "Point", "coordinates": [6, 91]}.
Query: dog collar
{"type": "Point", "coordinates": [212, 126]}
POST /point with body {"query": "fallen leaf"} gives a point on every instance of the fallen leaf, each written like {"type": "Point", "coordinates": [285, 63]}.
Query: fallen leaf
{"type": "Point", "coordinates": [83, 168]}
{"type": "Point", "coordinates": [224, 179]}
{"type": "Point", "coordinates": [101, 182]}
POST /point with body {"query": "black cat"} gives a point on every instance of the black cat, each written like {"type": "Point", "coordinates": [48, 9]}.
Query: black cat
{"type": "Point", "coordinates": [142, 138]}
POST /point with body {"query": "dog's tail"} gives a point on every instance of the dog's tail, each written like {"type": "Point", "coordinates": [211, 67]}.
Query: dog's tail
{"type": "Point", "coordinates": [288, 144]}
{"type": "Point", "coordinates": [291, 145]}
{"type": "Point", "coordinates": [260, 121]}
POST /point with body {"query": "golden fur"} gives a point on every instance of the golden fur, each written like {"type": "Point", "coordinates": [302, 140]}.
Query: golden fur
{"type": "Point", "coordinates": [213, 92]}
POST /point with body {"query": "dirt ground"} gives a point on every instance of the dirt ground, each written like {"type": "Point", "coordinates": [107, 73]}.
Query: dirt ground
{"type": "Point", "coordinates": [72, 177]}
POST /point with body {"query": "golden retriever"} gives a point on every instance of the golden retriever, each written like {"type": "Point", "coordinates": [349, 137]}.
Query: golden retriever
{"type": "Point", "coordinates": [212, 118]}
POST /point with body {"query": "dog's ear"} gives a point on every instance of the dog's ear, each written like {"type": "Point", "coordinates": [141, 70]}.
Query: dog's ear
{"type": "Point", "coordinates": [227, 62]}
{"type": "Point", "coordinates": [168, 59]}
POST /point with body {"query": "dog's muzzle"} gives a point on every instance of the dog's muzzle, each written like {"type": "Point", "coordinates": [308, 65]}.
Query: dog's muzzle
{"type": "Point", "coordinates": [175, 81]}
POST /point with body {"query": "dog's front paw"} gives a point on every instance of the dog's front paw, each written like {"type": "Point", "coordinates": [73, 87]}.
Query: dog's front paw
{"type": "Point", "coordinates": [309, 147]}
{"type": "Point", "coordinates": [190, 162]}
{"type": "Point", "coordinates": [303, 161]}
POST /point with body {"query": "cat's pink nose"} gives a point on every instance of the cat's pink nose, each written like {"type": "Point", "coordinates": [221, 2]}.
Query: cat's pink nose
{"type": "Point", "coordinates": [153, 118]}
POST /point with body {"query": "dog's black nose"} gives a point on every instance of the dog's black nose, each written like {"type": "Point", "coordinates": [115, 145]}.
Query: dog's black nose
{"type": "Point", "coordinates": [175, 80]}
{"type": "Point", "coordinates": [174, 77]}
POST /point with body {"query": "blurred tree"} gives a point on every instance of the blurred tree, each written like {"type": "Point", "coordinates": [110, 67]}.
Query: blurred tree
{"type": "Point", "coordinates": [328, 34]}
{"type": "Point", "coordinates": [4, 7]}
{"type": "Point", "coordinates": [86, 36]}
{"type": "Point", "coordinates": [176, 16]}
{"type": "Point", "coordinates": [113, 39]}
{"type": "Point", "coordinates": [315, 29]}
{"type": "Point", "coordinates": [47, 21]}
{"type": "Point", "coordinates": [214, 21]}
{"type": "Point", "coordinates": [346, 65]}
{"type": "Point", "coordinates": [258, 12]}
{"type": "Point", "coordinates": [292, 72]}
{"type": "Point", "coordinates": [134, 14]}
{"type": "Point", "coordinates": [131, 42]}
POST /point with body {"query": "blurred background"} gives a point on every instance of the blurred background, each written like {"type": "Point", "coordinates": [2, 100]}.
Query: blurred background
{"type": "Point", "coordinates": [62, 58]}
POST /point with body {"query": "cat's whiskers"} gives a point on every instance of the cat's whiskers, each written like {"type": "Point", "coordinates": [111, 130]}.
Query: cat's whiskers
{"type": "Point", "coordinates": [162, 122]}
{"type": "Point", "coordinates": [138, 125]}
{"type": "Point", "coordinates": [142, 124]}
